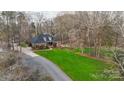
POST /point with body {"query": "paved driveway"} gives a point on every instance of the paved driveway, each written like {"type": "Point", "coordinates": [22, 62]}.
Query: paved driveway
{"type": "Point", "coordinates": [55, 72]}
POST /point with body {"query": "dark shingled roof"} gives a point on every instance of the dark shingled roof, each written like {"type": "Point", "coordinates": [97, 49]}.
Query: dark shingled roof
{"type": "Point", "coordinates": [42, 38]}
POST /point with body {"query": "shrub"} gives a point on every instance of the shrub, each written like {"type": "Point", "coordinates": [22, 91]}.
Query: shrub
{"type": "Point", "coordinates": [119, 59]}
{"type": "Point", "coordinates": [108, 74]}
{"type": "Point", "coordinates": [23, 44]}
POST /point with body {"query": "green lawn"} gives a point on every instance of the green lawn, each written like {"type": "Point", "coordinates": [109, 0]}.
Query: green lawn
{"type": "Point", "coordinates": [75, 66]}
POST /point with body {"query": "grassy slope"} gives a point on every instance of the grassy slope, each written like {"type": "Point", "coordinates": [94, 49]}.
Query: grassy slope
{"type": "Point", "coordinates": [77, 67]}
{"type": "Point", "coordinates": [103, 51]}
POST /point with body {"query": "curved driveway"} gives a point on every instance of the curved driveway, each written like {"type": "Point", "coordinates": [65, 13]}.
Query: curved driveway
{"type": "Point", "coordinates": [55, 72]}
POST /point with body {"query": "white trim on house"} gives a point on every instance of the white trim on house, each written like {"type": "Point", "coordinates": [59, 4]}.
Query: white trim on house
{"type": "Point", "coordinates": [50, 38]}
{"type": "Point", "coordinates": [44, 38]}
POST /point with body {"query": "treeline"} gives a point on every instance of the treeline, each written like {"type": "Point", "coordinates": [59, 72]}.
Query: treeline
{"type": "Point", "coordinates": [15, 27]}
{"type": "Point", "coordinates": [88, 29]}
{"type": "Point", "coordinates": [75, 29]}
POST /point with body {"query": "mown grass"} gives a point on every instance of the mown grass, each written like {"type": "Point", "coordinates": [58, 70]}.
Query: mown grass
{"type": "Point", "coordinates": [75, 66]}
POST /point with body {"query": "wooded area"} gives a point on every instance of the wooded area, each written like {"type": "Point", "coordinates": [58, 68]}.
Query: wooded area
{"type": "Point", "coordinates": [76, 29]}
{"type": "Point", "coordinates": [73, 29]}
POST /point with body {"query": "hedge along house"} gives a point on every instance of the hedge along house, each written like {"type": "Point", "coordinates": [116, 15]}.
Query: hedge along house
{"type": "Point", "coordinates": [43, 41]}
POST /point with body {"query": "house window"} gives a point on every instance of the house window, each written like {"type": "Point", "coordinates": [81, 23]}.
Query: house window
{"type": "Point", "coordinates": [44, 38]}
{"type": "Point", "coordinates": [50, 38]}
